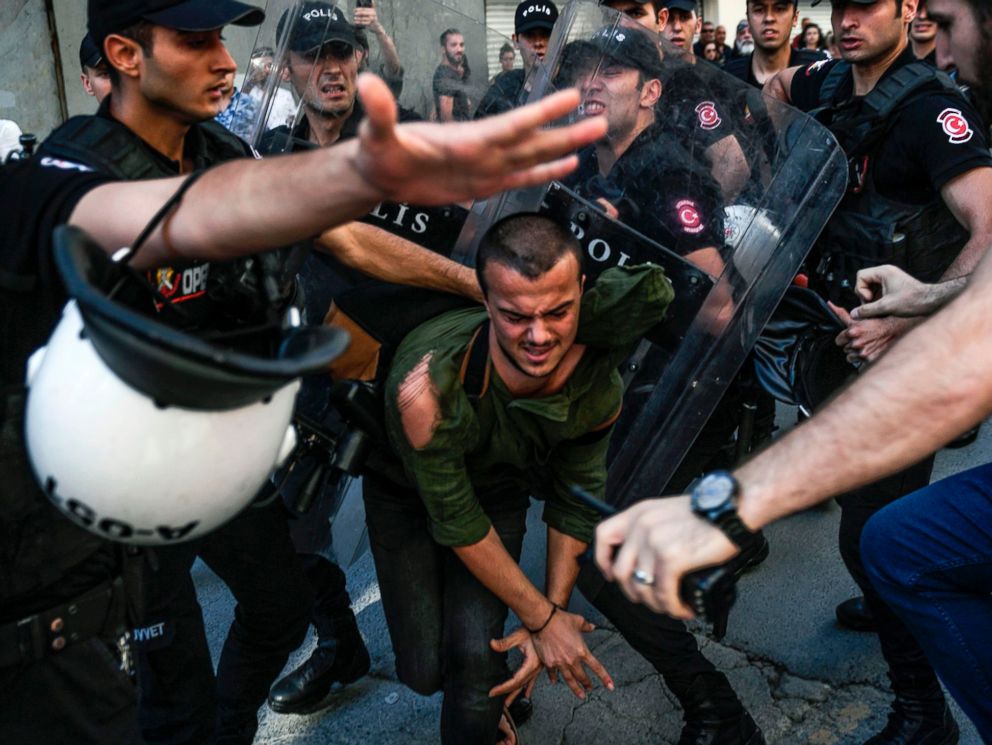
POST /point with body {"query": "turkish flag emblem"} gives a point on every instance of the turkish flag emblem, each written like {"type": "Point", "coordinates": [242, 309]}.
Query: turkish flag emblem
{"type": "Point", "coordinates": [708, 116]}
{"type": "Point", "coordinates": [955, 126]}
{"type": "Point", "coordinates": [689, 216]}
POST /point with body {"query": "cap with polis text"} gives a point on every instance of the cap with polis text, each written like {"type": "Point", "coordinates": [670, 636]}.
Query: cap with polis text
{"type": "Point", "coordinates": [316, 24]}
{"type": "Point", "coordinates": [531, 16]}
{"type": "Point", "coordinates": [629, 47]}
{"type": "Point", "coordinates": [109, 16]}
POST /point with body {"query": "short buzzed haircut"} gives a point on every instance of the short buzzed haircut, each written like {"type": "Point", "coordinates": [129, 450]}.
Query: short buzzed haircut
{"type": "Point", "coordinates": [528, 243]}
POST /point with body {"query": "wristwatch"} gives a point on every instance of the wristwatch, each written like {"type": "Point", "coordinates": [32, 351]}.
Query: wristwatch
{"type": "Point", "coordinates": [714, 499]}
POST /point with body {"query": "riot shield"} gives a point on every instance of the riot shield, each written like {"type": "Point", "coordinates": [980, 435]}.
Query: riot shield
{"type": "Point", "coordinates": [724, 188]}
{"type": "Point", "coordinates": [301, 81]}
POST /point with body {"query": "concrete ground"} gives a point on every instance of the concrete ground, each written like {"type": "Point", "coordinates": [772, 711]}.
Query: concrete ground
{"type": "Point", "coordinates": [804, 679]}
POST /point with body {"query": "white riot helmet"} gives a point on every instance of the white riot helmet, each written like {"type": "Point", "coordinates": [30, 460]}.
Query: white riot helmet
{"type": "Point", "coordinates": [146, 434]}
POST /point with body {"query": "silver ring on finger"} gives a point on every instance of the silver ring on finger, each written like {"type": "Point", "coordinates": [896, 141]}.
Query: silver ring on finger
{"type": "Point", "coordinates": [642, 577]}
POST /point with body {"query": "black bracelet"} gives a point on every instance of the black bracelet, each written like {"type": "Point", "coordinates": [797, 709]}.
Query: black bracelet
{"type": "Point", "coordinates": [554, 609]}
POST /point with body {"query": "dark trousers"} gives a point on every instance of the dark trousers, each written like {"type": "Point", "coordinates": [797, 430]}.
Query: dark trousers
{"type": "Point", "coordinates": [181, 701]}
{"type": "Point", "coordinates": [908, 666]}
{"type": "Point", "coordinates": [930, 557]}
{"type": "Point", "coordinates": [78, 696]}
{"type": "Point", "coordinates": [331, 599]}
{"type": "Point", "coordinates": [666, 644]}
{"type": "Point", "coordinates": [440, 617]}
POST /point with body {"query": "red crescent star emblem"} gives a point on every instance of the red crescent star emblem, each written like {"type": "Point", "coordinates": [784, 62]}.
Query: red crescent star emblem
{"type": "Point", "coordinates": [955, 126]}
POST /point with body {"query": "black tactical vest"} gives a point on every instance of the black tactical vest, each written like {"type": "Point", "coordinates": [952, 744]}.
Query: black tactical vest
{"type": "Point", "coordinates": [45, 559]}
{"type": "Point", "coordinates": [110, 147]}
{"type": "Point", "coordinates": [869, 229]}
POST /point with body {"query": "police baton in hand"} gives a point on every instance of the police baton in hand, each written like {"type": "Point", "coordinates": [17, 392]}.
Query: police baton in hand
{"type": "Point", "coordinates": [710, 592]}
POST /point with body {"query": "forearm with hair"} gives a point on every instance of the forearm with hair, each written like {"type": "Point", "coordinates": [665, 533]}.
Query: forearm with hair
{"type": "Point", "coordinates": [233, 210]}
{"type": "Point", "coordinates": [388, 257]}
{"type": "Point", "coordinates": [492, 565]}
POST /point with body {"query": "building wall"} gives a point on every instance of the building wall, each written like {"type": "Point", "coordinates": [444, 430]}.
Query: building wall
{"type": "Point", "coordinates": [28, 72]}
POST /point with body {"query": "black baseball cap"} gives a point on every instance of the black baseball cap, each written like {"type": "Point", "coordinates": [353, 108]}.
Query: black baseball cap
{"type": "Point", "coordinates": [316, 24]}
{"type": "Point", "coordinates": [689, 6]}
{"type": "Point", "coordinates": [856, 2]}
{"type": "Point", "coordinates": [89, 53]}
{"type": "Point", "coordinates": [533, 15]}
{"type": "Point", "coordinates": [630, 47]}
{"type": "Point", "coordinates": [109, 16]}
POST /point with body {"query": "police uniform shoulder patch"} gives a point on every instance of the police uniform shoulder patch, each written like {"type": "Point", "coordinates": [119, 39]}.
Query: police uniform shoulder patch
{"type": "Point", "coordinates": [689, 217]}
{"type": "Point", "coordinates": [65, 165]}
{"type": "Point", "coordinates": [955, 126]}
{"type": "Point", "coordinates": [709, 117]}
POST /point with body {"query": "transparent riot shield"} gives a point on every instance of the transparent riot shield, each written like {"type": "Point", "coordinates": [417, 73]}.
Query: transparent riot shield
{"type": "Point", "coordinates": [724, 188]}
{"type": "Point", "coordinates": [301, 82]}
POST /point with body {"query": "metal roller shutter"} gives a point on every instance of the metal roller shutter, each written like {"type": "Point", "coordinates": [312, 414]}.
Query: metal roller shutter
{"type": "Point", "coordinates": [820, 15]}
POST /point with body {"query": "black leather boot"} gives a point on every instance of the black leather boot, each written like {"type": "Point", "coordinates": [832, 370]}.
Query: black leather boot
{"type": "Point", "coordinates": [855, 614]}
{"type": "Point", "coordinates": [713, 713]}
{"type": "Point", "coordinates": [918, 717]}
{"type": "Point", "coordinates": [337, 661]}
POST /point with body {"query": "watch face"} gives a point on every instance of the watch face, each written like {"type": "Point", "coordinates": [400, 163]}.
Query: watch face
{"type": "Point", "coordinates": [714, 491]}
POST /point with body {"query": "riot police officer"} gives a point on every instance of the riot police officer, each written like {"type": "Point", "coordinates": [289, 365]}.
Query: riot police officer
{"type": "Point", "coordinates": [919, 170]}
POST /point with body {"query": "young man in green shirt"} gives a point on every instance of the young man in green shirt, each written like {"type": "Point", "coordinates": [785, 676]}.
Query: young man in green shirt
{"type": "Point", "coordinates": [447, 527]}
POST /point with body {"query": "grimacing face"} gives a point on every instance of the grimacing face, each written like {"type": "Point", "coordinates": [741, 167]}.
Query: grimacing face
{"type": "Point", "coordinates": [616, 92]}
{"type": "Point", "coordinates": [326, 79]}
{"type": "Point", "coordinates": [534, 322]}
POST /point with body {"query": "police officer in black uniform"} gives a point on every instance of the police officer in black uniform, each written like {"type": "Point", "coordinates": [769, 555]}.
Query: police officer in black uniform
{"type": "Point", "coordinates": [532, 24]}
{"type": "Point", "coordinates": [168, 69]}
{"type": "Point", "coordinates": [919, 178]}
{"type": "Point", "coordinates": [323, 49]}
{"type": "Point", "coordinates": [63, 652]}
{"type": "Point", "coordinates": [643, 177]}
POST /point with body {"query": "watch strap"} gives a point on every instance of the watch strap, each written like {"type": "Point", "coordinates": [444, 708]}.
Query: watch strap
{"type": "Point", "coordinates": [735, 529]}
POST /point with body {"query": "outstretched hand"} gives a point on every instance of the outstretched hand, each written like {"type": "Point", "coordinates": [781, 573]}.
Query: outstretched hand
{"type": "Point", "coordinates": [435, 164]}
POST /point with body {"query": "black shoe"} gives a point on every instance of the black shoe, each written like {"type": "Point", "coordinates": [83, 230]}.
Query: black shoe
{"type": "Point", "coordinates": [854, 614]}
{"type": "Point", "coordinates": [742, 731]}
{"type": "Point", "coordinates": [918, 722]}
{"type": "Point", "coordinates": [331, 666]}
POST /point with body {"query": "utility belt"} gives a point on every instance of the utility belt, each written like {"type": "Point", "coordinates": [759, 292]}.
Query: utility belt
{"type": "Point", "coordinates": [100, 611]}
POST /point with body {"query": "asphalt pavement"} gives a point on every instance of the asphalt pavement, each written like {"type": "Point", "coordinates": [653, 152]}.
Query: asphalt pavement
{"type": "Point", "coordinates": [804, 679]}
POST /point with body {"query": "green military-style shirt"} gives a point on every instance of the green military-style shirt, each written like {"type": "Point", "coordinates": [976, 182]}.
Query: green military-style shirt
{"type": "Point", "coordinates": [535, 446]}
